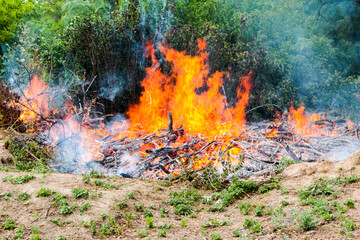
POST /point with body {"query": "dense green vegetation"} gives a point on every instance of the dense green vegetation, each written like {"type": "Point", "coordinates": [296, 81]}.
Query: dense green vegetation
{"type": "Point", "coordinates": [299, 51]}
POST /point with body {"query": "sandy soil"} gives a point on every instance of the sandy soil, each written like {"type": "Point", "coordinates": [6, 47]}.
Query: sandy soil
{"type": "Point", "coordinates": [38, 211]}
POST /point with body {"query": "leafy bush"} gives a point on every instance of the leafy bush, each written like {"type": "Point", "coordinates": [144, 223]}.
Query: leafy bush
{"type": "Point", "coordinates": [80, 193]}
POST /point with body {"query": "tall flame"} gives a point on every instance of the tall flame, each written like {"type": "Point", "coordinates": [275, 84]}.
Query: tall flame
{"type": "Point", "coordinates": [201, 113]}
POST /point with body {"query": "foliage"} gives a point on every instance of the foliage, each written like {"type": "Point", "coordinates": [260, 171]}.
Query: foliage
{"type": "Point", "coordinates": [19, 180]}
{"type": "Point", "coordinates": [44, 192]}
{"type": "Point", "coordinates": [80, 193]}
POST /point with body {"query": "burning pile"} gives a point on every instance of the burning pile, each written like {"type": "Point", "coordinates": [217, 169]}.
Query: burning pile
{"type": "Point", "coordinates": [182, 122]}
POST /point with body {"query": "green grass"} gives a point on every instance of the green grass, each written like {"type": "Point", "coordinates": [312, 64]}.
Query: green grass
{"type": "Point", "coordinates": [44, 192]}
{"type": "Point", "coordinates": [19, 180]}
{"type": "Point", "coordinates": [80, 193]}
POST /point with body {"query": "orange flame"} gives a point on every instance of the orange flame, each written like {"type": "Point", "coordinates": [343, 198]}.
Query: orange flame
{"type": "Point", "coordinates": [201, 113]}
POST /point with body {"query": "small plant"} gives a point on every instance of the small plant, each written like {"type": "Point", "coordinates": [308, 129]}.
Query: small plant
{"type": "Point", "coordinates": [84, 207]}
{"type": "Point", "coordinates": [35, 229]}
{"type": "Point", "coordinates": [86, 178]}
{"type": "Point", "coordinates": [68, 209]}
{"type": "Point", "coordinates": [349, 203]}
{"type": "Point", "coordinates": [219, 207]}
{"type": "Point", "coordinates": [215, 236]}
{"type": "Point", "coordinates": [162, 233]}
{"type": "Point", "coordinates": [166, 226]}
{"type": "Point", "coordinates": [6, 195]}
{"type": "Point", "coordinates": [143, 234]}
{"type": "Point", "coordinates": [307, 221]}
{"type": "Point", "coordinates": [56, 221]}
{"type": "Point", "coordinates": [213, 223]}
{"type": "Point", "coordinates": [80, 193]}
{"type": "Point", "coordinates": [236, 233]}
{"type": "Point", "coordinates": [284, 190]}
{"type": "Point", "coordinates": [22, 196]}
{"type": "Point", "coordinates": [183, 222]}
{"type": "Point", "coordinates": [20, 179]}
{"type": "Point", "coordinates": [110, 227]}
{"type": "Point", "coordinates": [35, 216]}
{"type": "Point", "coordinates": [150, 222]}
{"type": "Point", "coordinates": [131, 195]}
{"type": "Point", "coordinates": [128, 218]}
{"type": "Point", "coordinates": [122, 205]}
{"type": "Point", "coordinates": [182, 209]}
{"type": "Point", "coordinates": [147, 213]}
{"type": "Point", "coordinates": [139, 206]}
{"type": "Point", "coordinates": [44, 192]}
{"type": "Point", "coordinates": [103, 216]}
{"type": "Point", "coordinates": [96, 174]}
{"type": "Point", "coordinates": [259, 210]}
{"type": "Point", "coordinates": [348, 224]}
{"type": "Point", "coordinates": [35, 237]}
{"type": "Point", "coordinates": [9, 224]}
{"type": "Point", "coordinates": [253, 225]}
{"type": "Point", "coordinates": [284, 203]}
{"type": "Point", "coordinates": [93, 226]}
{"type": "Point", "coordinates": [225, 223]}
{"type": "Point", "coordinates": [164, 211]}
{"type": "Point", "coordinates": [245, 207]}
{"type": "Point", "coordinates": [103, 184]}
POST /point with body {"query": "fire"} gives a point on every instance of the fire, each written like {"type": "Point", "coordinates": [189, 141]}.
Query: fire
{"type": "Point", "coordinates": [199, 111]}
{"type": "Point", "coordinates": [196, 101]}
{"type": "Point", "coordinates": [34, 102]}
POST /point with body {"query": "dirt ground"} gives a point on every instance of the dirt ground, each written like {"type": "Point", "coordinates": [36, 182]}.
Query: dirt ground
{"type": "Point", "coordinates": [36, 215]}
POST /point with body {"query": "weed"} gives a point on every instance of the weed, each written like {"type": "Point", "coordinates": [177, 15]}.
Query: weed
{"type": "Point", "coordinates": [84, 207]}
{"type": "Point", "coordinates": [59, 200]}
{"type": "Point", "coordinates": [19, 233]}
{"type": "Point", "coordinates": [348, 224]}
{"type": "Point", "coordinates": [22, 196]}
{"type": "Point", "coordinates": [103, 184]}
{"type": "Point", "coordinates": [110, 227]}
{"type": "Point", "coordinates": [96, 174]}
{"type": "Point", "coordinates": [56, 221]}
{"type": "Point", "coordinates": [215, 236]}
{"type": "Point", "coordinates": [143, 234]}
{"type": "Point", "coordinates": [245, 207]}
{"type": "Point", "coordinates": [147, 213]}
{"type": "Point", "coordinates": [35, 237]}
{"type": "Point", "coordinates": [219, 207]}
{"type": "Point", "coordinates": [93, 226]}
{"type": "Point", "coordinates": [80, 193]}
{"type": "Point", "coordinates": [35, 216]}
{"type": "Point", "coordinates": [35, 229]}
{"type": "Point", "coordinates": [139, 206]}
{"type": "Point", "coordinates": [153, 207]}
{"type": "Point", "coordinates": [236, 233]}
{"type": "Point", "coordinates": [86, 178]}
{"type": "Point", "coordinates": [6, 195]}
{"type": "Point", "coordinates": [131, 195]}
{"type": "Point", "coordinates": [162, 233]}
{"type": "Point", "coordinates": [9, 224]}
{"type": "Point", "coordinates": [164, 211]}
{"type": "Point", "coordinates": [349, 203]}
{"type": "Point", "coordinates": [253, 225]}
{"type": "Point", "coordinates": [122, 205]}
{"type": "Point", "coordinates": [182, 209]}
{"type": "Point", "coordinates": [183, 222]}
{"type": "Point", "coordinates": [103, 216]}
{"type": "Point", "coordinates": [225, 223]}
{"type": "Point", "coordinates": [213, 223]}
{"type": "Point", "coordinates": [128, 218]}
{"type": "Point", "coordinates": [150, 222]}
{"type": "Point", "coordinates": [60, 238]}
{"type": "Point", "coordinates": [284, 190]}
{"type": "Point", "coordinates": [68, 209]}
{"type": "Point", "coordinates": [307, 221]}
{"type": "Point", "coordinates": [44, 192]}
{"type": "Point", "coordinates": [19, 180]}
{"type": "Point", "coordinates": [259, 210]}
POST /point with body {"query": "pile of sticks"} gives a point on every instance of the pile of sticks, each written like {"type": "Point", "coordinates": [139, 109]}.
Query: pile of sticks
{"type": "Point", "coordinates": [163, 152]}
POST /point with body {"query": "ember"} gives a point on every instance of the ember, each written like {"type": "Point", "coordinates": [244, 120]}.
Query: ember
{"type": "Point", "coordinates": [176, 127]}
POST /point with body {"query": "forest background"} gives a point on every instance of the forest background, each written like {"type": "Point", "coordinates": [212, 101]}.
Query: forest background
{"type": "Point", "coordinates": [300, 51]}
